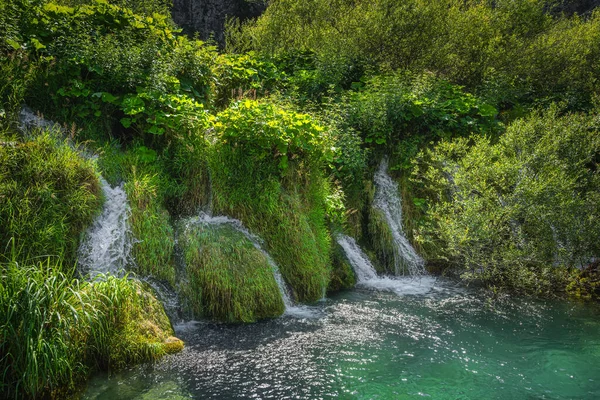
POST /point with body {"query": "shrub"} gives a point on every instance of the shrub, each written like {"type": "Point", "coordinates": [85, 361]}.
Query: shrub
{"type": "Point", "coordinates": [513, 51]}
{"type": "Point", "coordinates": [510, 213]}
{"type": "Point", "coordinates": [393, 108]}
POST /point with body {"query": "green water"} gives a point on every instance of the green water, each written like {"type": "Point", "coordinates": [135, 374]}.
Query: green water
{"type": "Point", "coordinates": [442, 342]}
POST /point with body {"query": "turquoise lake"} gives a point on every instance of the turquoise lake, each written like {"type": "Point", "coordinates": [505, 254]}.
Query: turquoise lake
{"type": "Point", "coordinates": [422, 338]}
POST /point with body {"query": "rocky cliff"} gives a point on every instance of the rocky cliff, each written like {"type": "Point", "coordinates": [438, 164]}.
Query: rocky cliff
{"type": "Point", "coordinates": [207, 17]}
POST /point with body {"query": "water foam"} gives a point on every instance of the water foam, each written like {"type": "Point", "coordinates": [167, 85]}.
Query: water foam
{"type": "Point", "coordinates": [387, 200]}
{"type": "Point", "coordinates": [107, 244]}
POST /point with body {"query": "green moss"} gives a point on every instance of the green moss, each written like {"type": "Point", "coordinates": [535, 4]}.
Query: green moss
{"type": "Point", "coordinates": [48, 196]}
{"type": "Point", "coordinates": [342, 274]}
{"type": "Point", "coordinates": [133, 326]}
{"type": "Point", "coordinates": [228, 278]}
{"type": "Point", "coordinates": [187, 165]}
{"type": "Point", "coordinates": [55, 330]}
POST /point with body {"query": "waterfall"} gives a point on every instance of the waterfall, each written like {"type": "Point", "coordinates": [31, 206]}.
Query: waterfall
{"type": "Point", "coordinates": [256, 242]}
{"type": "Point", "coordinates": [29, 120]}
{"type": "Point", "coordinates": [387, 200]}
{"type": "Point", "coordinates": [360, 262]}
{"type": "Point", "coordinates": [366, 276]}
{"type": "Point", "coordinates": [107, 244]}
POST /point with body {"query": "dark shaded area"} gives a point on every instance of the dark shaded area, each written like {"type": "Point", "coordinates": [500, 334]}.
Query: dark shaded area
{"type": "Point", "coordinates": [207, 17]}
{"type": "Point", "coordinates": [571, 7]}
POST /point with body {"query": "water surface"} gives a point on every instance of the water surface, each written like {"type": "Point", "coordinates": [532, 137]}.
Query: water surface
{"type": "Point", "coordinates": [439, 341]}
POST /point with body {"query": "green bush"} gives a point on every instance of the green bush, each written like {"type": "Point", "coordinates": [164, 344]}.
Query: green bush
{"type": "Point", "coordinates": [267, 170]}
{"type": "Point", "coordinates": [48, 196]}
{"type": "Point", "coordinates": [391, 109]}
{"type": "Point", "coordinates": [512, 213]}
{"type": "Point", "coordinates": [243, 76]}
{"type": "Point", "coordinates": [228, 278]}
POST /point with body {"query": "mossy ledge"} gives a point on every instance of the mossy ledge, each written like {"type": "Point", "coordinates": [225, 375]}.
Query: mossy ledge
{"type": "Point", "coordinates": [228, 278]}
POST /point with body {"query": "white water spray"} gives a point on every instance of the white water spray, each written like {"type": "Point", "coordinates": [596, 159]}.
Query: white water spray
{"type": "Point", "coordinates": [360, 262]}
{"type": "Point", "coordinates": [107, 245]}
{"type": "Point", "coordinates": [387, 200]}
{"type": "Point", "coordinates": [29, 120]}
{"type": "Point", "coordinates": [366, 276]}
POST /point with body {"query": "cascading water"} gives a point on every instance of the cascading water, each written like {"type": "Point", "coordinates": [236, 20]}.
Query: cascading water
{"type": "Point", "coordinates": [238, 226]}
{"type": "Point", "coordinates": [387, 200]}
{"type": "Point", "coordinates": [366, 276]}
{"type": "Point", "coordinates": [360, 262]}
{"type": "Point", "coordinates": [29, 120]}
{"type": "Point", "coordinates": [107, 245]}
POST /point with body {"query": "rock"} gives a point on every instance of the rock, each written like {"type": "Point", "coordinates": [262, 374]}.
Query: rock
{"type": "Point", "coordinates": [173, 345]}
{"type": "Point", "coordinates": [207, 17]}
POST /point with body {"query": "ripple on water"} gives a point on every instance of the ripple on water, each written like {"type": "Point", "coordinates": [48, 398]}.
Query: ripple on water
{"type": "Point", "coordinates": [443, 342]}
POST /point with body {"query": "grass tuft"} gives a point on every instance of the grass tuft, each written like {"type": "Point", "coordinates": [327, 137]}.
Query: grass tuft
{"type": "Point", "coordinates": [228, 278]}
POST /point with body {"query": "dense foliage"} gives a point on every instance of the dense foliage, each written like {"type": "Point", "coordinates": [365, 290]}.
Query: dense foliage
{"type": "Point", "coordinates": [521, 212]}
{"type": "Point", "coordinates": [486, 110]}
{"type": "Point", "coordinates": [512, 51]}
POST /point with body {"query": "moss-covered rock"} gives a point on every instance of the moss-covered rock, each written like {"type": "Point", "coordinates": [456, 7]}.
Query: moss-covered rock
{"type": "Point", "coordinates": [342, 274]}
{"type": "Point", "coordinates": [49, 194]}
{"type": "Point", "coordinates": [132, 326]}
{"type": "Point", "coordinates": [229, 279]}
{"type": "Point", "coordinates": [153, 247]}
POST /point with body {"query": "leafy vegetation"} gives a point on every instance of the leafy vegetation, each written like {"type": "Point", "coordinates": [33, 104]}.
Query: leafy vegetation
{"type": "Point", "coordinates": [486, 110]}
{"type": "Point", "coordinates": [512, 51]}
{"type": "Point", "coordinates": [519, 213]}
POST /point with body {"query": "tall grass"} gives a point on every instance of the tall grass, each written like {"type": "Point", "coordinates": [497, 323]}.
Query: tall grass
{"type": "Point", "coordinates": [48, 195]}
{"type": "Point", "coordinates": [54, 330]}
{"type": "Point", "coordinates": [228, 278]}
{"type": "Point", "coordinates": [43, 318]}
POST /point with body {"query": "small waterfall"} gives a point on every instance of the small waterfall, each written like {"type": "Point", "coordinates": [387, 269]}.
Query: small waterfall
{"type": "Point", "coordinates": [238, 226]}
{"type": "Point", "coordinates": [107, 244]}
{"type": "Point", "coordinates": [387, 200]}
{"type": "Point", "coordinates": [366, 276]}
{"type": "Point", "coordinates": [363, 268]}
{"type": "Point", "coordinates": [168, 298]}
